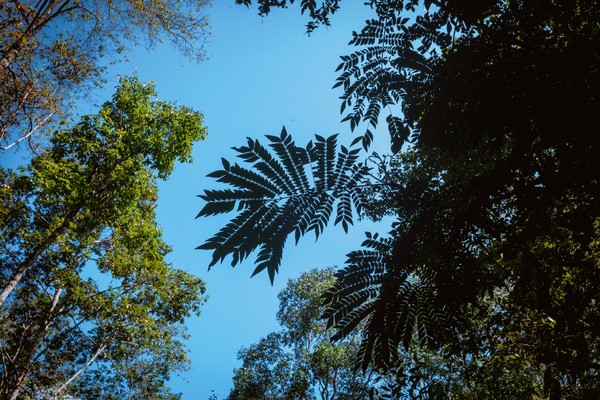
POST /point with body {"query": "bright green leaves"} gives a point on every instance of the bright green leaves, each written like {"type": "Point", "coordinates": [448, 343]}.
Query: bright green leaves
{"type": "Point", "coordinates": [300, 361]}
{"type": "Point", "coordinates": [83, 259]}
{"type": "Point", "coordinates": [136, 127]}
{"type": "Point", "coordinates": [166, 131]}
{"type": "Point", "coordinates": [105, 167]}
{"type": "Point", "coordinates": [295, 190]}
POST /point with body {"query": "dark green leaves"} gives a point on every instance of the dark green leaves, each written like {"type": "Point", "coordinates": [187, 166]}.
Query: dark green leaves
{"type": "Point", "coordinates": [287, 189]}
{"type": "Point", "coordinates": [398, 132]}
{"type": "Point", "coordinates": [493, 256]}
{"type": "Point", "coordinates": [393, 303]}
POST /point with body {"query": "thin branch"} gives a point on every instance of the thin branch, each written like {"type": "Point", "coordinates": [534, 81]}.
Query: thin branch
{"type": "Point", "coordinates": [35, 345]}
{"type": "Point", "coordinates": [80, 370]}
{"type": "Point", "coordinates": [31, 132]}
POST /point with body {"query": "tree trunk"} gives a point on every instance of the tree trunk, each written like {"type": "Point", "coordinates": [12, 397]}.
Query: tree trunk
{"type": "Point", "coordinates": [39, 249]}
{"type": "Point", "coordinates": [10, 56]}
{"type": "Point", "coordinates": [76, 374]}
{"type": "Point", "coordinates": [40, 337]}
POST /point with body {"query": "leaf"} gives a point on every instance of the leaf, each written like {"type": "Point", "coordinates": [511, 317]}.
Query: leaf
{"type": "Point", "coordinates": [275, 197]}
{"type": "Point", "coordinates": [224, 201]}
{"type": "Point", "coordinates": [344, 213]}
{"type": "Point", "coordinates": [293, 159]}
{"type": "Point", "coordinates": [388, 298]}
{"type": "Point", "coordinates": [398, 133]}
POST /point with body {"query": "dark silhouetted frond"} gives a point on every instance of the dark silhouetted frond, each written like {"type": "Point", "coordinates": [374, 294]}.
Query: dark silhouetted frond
{"type": "Point", "coordinates": [275, 197]}
{"type": "Point", "coordinates": [399, 133]}
{"type": "Point", "coordinates": [384, 73]}
{"type": "Point", "coordinates": [394, 304]}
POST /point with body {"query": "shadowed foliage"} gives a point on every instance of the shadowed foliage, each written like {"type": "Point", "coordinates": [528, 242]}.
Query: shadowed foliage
{"type": "Point", "coordinates": [493, 187]}
{"type": "Point", "coordinates": [295, 191]}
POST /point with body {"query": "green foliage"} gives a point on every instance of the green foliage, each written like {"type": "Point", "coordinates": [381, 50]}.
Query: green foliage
{"type": "Point", "coordinates": [90, 308]}
{"type": "Point", "coordinates": [295, 191]}
{"type": "Point", "coordinates": [300, 362]}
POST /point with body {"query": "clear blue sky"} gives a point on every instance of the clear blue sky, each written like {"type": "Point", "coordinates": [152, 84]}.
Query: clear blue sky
{"type": "Point", "coordinates": [262, 74]}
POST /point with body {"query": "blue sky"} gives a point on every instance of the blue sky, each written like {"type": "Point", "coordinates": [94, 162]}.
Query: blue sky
{"type": "Point", "coordinates": [262, 74]}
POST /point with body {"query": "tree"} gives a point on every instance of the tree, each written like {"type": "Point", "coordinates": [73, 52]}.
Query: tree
{"type": "Point", "coordinates": [300, 362]}
{"type": "Point", "coordinates": [493, 186]}
{"type": "Point", "coordinates": [50, 50]}
{"type": "Point", "coordinates": [90, 308]}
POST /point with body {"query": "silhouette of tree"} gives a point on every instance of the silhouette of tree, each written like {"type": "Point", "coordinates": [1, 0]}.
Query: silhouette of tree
{"type": "Point", "coordinates": [493, 183]}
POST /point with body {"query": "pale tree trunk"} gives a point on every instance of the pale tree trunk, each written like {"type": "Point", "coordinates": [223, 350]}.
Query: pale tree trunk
{"type": "Point", "coordinates": [9, 57]}
{"type": "Point", "coordinates": [83, 368]}
{"type": "Point", "coordinates": [40, 337]}
{"type": "Point", "coordinates": [59, 230]}
{"type": "Point", "coordinates": [37, 251]}
{"type": "Point", "coordinates": [25, 136]}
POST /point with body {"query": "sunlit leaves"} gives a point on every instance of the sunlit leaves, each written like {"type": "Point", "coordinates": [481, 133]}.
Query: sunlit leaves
{"type": "Point", "coordinates": [286, 190]}
{"type": "Point", "coordinates": [97, 310]}
{"type": "Point", "coordinates": [300, 361]}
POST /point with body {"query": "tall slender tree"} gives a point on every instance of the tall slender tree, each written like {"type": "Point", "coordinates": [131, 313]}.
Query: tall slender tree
{"type": "Point", "coordinates": [89, 306]}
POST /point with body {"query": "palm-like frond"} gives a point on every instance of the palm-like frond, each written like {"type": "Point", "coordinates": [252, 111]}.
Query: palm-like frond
{"type": "Point", "coordinates": [395, 305]}
{"type": "Point", "coordinates": [276, 197]}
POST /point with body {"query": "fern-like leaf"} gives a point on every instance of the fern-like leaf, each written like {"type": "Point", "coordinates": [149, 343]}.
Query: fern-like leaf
{"type": "Point", "coordinates": [275, 197]}
{"type": "Point", "coordinates": [386, 69]}
{"type": "Point", "coordinates": [398, 133]}
{"type": "Point", "coordinates": [390, 301]}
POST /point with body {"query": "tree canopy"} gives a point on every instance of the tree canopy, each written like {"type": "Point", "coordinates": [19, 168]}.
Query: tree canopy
{"type": "Point", "coordinates": [492, 181]}
{"type": "Point", "coordinates": [299, 361]}
{"type": "Point", "coordinates": [51, 51]}
{"type": "Point", "coordinates": [89, 306]}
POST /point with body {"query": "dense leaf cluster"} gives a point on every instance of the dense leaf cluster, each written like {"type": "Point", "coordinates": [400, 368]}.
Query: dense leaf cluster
{"type": "Point", "coordinates": [495, 198]}
{"type": "Point", "coordinates": [299, 361]}
{"type": "Point", "coordinates": [89, 306]}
